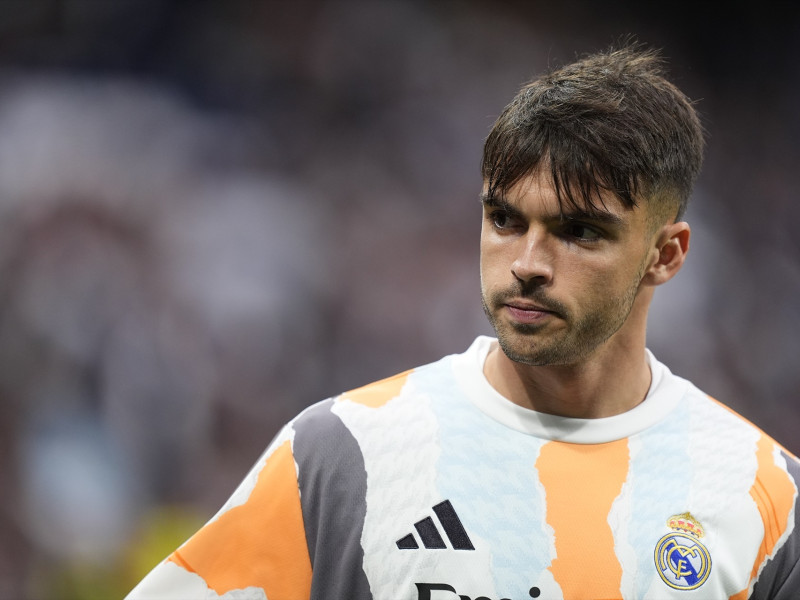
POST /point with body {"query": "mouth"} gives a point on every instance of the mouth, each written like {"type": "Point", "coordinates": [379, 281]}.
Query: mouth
{"type": "Point", "coordinates": [528, 312]}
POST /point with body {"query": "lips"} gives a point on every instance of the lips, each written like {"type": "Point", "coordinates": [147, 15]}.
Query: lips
{"type": "Point", "coordinates": [524, 312]}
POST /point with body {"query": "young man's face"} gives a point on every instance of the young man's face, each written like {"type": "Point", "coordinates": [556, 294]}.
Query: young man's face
{"type": "Point", "coordinates": [555, 287]}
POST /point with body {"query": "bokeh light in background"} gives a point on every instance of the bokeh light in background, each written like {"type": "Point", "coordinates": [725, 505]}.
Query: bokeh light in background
{"type": "Point", "coordinates": [214, 213]}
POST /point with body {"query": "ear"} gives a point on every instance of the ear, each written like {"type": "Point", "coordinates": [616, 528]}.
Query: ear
{"type": "Point", "coordinates": [669, 253]}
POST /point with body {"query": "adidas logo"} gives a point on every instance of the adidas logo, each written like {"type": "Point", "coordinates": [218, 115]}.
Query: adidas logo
{"type": "Point", "coordinates": [429, 533]}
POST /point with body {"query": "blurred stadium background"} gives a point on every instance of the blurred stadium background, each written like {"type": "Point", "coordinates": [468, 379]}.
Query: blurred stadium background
{"type": "Point", "coordinates": [214, 213]}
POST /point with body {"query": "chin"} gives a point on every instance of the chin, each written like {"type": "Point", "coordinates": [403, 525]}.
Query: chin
{"type": "Point", "coordinates": [529, 352]}
{"type": "Point", "coordinates": [525, 352]}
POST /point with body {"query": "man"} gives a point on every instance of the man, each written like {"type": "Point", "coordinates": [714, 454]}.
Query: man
{"type": "Point", "coordinates": [561, 460]}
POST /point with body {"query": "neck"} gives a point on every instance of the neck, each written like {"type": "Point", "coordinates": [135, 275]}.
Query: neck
{"type": "Point", "coordinates": [612, 380]}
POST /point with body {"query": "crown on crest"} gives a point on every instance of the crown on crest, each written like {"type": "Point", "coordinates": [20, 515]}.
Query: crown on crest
{"type": "Point", "coordinates": [686, 522]}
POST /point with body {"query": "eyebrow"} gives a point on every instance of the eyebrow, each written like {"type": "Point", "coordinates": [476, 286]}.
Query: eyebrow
{"type": "Point", "coordinates": [596, 216]}
{"type": "Point", "coordinates": [495, 202]}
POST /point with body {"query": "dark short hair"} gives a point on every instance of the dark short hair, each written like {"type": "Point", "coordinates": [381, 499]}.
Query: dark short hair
{"type": "Point", "coordinates": [610, 121]}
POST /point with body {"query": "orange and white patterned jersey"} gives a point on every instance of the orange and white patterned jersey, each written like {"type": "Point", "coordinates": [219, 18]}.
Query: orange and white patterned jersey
{"type": "Point", "coordinates": [431, 486]}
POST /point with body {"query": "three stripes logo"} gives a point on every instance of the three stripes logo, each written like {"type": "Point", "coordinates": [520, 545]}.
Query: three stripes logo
{"type": "Point", "coordinates": [429, 533]}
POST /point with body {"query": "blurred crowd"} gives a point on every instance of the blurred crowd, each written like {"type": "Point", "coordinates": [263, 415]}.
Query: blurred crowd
{"type": "Point", "coordinates": [213, 214]}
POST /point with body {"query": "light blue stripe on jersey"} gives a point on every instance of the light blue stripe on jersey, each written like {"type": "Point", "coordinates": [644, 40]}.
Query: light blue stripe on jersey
{"type": "Point", "coordinates": [497, 498]}
{"type": "Point", "coordinates": [663, 456]}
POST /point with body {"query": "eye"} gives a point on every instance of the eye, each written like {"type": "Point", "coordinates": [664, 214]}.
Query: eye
{"type": "Point", "coordinates": [499, 218]}
{"type": "Point", "coordinates": [502, 219]}
{"type": "Point", "coordinates": [582, 232]}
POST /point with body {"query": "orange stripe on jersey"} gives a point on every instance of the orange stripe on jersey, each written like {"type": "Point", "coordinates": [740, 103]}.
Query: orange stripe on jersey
{"type": "Point", "coordinates": [774, 508]}
{"type": "Point", "coordinates": [260, 543]}
{"type": "Point", "coordinates": [379, 393]}
{"type": "Point", "coordinates": [581, 483]}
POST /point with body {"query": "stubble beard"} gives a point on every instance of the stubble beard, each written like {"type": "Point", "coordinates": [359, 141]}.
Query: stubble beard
{"type": "Point", "coordinates": [578, 337]}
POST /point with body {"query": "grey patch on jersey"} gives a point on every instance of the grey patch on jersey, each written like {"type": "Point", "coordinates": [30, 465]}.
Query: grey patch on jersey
{"type": "Point", "coordinates": [780, 578]}
{"type": "Point", "coordinates": [333, 490]}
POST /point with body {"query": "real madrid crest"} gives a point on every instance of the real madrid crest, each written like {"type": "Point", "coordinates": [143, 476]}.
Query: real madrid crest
{"type": "Point", "coordinates": [682, 561]}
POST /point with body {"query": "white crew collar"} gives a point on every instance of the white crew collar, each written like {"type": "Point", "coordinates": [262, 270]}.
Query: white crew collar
{"type": "Point", "coordinates": [666, 390]}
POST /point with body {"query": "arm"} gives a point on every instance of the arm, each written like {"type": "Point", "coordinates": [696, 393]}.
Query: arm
{"type": "Point", "coordinates": [779, 575]}
{"type": "Point", "coordinates": [254, 548]}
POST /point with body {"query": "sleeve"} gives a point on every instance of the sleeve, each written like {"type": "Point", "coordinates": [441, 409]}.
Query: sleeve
{"type": "Point", "coordinates": [254, 548]}
{"type": "Point", "coordinates": [778, 577]}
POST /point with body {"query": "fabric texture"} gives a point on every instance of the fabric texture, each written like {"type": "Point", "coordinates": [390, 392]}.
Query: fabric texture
{"type": "Point", "coordinates": [431, 486]}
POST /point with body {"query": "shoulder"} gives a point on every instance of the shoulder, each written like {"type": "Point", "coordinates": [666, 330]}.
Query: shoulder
{"type": "Point", "coordinates": [716, 415]}
{"type": "Point", "coordinates": [419, 384]}
{"type": "Point", "coordinates": [742, 476]}
{"type": "Point", "coordinates": [712, 420]}
{"type": "Point", "coordinates": [773, 471]}
{"type": "Point", "coordinates": [706, 418]}
{"type": "Point", "coordinates": [722, 442]}
{"type": "Point", "coordinates": [331, 419]}
{"type": "Point", "coordinates": [364, 421]}
{"type": "Point", "coordinates": [318, 419]}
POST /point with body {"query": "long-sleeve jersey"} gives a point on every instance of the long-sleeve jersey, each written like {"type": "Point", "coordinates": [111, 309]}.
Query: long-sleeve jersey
{"type": "Point", "coordinates": [431, 486]}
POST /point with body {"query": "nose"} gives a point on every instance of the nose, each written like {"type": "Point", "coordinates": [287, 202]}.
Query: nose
{"type": "Point", "coordinates": [534, 260]}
